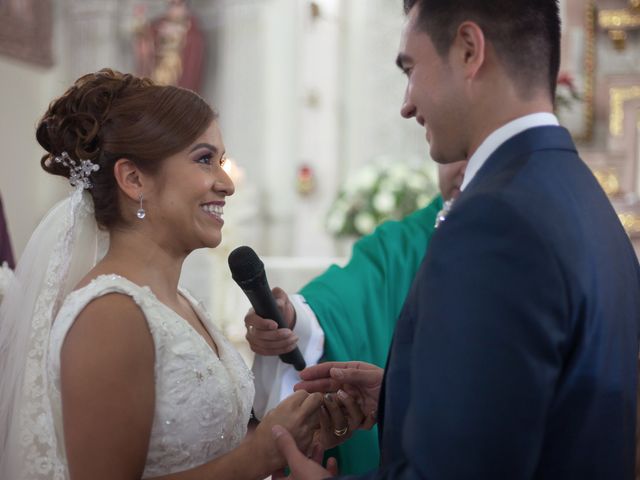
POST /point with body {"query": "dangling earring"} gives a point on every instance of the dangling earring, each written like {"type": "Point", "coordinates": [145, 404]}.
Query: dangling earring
{"type": "Point", "coordinates": [141, 213]}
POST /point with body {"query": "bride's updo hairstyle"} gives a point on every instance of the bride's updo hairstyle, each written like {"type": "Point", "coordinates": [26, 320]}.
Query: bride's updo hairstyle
{"type": "Point", "coordinates": [109, 115]}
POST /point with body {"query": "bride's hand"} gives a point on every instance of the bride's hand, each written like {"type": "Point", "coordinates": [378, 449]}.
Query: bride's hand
{"type": "Point", "coordinates": [340, 416]}
{"type": "Point", "coordinates": [299, 414]}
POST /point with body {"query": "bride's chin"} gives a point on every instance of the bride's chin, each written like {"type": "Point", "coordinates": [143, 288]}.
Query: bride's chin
{"type": "Point", "coordinates": [212, 242]}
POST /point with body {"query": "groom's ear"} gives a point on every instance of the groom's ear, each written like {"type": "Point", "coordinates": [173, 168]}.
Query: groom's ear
{"type": "Point", "coordinates": [469, 49]}
{"type": "Point", "coordinates": [129, 178]}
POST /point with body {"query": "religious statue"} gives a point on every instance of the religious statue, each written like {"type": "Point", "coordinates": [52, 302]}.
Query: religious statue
{"type": "Point", "coordinates": [170, 48]}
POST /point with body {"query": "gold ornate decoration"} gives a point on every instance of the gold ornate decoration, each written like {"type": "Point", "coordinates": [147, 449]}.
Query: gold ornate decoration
{"type": "Point", "coordinates": [618, 96]}
{"type": "Point", "coordinates": [608, 181]}
{"type": "Point", "coordinates": [617, 22]}
{"type": "Point", "coordinates": [631, 223]}
{"type": "Point", "coordinates": [618, 19]}
{"type": "Point", "coordinates": [588, 71]}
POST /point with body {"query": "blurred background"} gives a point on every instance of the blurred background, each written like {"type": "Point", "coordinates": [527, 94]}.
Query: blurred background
{"type": "Point", "coordinates": [309, 99]}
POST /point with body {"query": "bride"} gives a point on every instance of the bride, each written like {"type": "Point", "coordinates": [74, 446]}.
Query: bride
{"type": "Point", "coordinates": [109, 369]}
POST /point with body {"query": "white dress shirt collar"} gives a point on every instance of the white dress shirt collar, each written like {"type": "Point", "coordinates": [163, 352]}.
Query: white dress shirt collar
{"type": "Point", "coordinates": [501, 135]}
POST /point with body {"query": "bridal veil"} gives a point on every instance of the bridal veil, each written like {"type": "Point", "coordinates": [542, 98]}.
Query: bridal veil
{"type": "Point", "coordinates": [63, 248]}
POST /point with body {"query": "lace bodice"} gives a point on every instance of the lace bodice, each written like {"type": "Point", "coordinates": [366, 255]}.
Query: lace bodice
{"type": "Point", "coordinates": [202, 402]}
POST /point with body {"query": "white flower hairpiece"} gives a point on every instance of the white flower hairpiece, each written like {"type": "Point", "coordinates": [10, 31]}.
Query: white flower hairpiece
{"type": "Point", "coordinates": [80, 171]}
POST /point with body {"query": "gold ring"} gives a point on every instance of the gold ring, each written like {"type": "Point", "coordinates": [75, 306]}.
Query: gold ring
{"type": "Point", "coordinates": [342, 432]}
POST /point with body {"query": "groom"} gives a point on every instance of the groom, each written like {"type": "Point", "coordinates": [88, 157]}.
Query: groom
{"type": "Point", "coordinates": [515, 354]}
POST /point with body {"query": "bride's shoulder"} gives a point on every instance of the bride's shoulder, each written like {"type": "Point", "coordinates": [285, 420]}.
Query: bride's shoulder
{"type": "Point", "coordinates": [105, 296]}
{"type": "Point", "coordinates": [105, 348]}
{"type": "Point", "coordinates": [92, 288]}
{"type": "Point", "coordinates": [109, 307]}
{"type": "Point", "coordinates": [97, 279]}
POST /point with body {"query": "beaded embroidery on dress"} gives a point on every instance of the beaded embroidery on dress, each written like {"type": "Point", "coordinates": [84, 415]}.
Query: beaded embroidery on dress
{"type": "Point", "coordinates": [203, 402]}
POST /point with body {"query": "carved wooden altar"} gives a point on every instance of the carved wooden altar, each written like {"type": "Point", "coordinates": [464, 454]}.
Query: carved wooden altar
{"type": "Point", "coordinates": [600, 49]}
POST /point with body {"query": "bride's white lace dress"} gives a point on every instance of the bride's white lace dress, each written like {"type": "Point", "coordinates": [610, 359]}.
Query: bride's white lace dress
{"type": "Point", "coordinates": [202, 401]}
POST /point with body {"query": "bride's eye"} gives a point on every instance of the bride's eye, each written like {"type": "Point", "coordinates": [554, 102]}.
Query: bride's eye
{"type": "Point", "coordinates": [205, 159]}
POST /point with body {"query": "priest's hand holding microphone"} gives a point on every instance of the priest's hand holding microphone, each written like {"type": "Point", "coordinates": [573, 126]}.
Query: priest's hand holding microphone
{"type": "Point", "coordinates": [248, 272]}
{"type": "Point", "coordinates": [270, 326]}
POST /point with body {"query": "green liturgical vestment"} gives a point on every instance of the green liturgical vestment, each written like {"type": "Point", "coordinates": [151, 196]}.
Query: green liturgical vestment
{"type": "Point", "coordinates": [357, 307]}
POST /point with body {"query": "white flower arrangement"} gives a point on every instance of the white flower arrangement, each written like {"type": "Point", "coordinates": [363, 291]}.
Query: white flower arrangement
{"type": "Point", "coordinates": [380, 191]}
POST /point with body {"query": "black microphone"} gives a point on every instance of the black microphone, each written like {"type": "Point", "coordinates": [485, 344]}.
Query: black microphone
{"type": "Point", "coordinates": [248, 272]}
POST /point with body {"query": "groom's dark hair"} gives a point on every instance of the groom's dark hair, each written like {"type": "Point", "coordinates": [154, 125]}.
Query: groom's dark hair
{"type": "Point", "coordinates": [524, 33]}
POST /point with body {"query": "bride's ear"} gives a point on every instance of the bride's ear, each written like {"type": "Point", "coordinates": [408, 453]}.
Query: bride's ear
{"type": "Point", "coordinates": [129, 178]}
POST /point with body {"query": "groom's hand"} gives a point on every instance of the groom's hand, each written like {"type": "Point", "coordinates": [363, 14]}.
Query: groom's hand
{"type": "Point", "coordinates": [302, 468]}
{"type": "Point", "coordinates": [360, 380]}
{"type": "Point", "coordinates": [299, 413]}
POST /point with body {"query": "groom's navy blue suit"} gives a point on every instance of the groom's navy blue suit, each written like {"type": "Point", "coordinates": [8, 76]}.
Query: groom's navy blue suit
{"type": "Point", "coordinates": [515, 354]}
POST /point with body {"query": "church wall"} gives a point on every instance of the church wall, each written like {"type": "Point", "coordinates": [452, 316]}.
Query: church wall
{"type": "Point", "coordinates": [27, 191]}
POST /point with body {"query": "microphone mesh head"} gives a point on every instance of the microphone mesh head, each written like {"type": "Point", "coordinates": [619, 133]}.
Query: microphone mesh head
{"type": "Point", "coordinates": [244, 264]}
